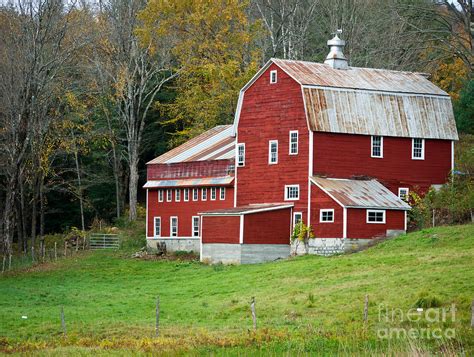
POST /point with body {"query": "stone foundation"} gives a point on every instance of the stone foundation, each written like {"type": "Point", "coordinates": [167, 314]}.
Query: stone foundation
{"type": "Point", "coordinates": [176, 244]}
{"type": "Point", "coordinates": [243, 253]}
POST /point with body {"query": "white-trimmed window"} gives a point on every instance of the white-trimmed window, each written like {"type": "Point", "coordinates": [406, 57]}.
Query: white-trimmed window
{"type": "Point", "coordinates": [169, 195]}
{"type": "Point", "coordinates": [418, 149]}
{"type": "Point", "coordinates": [195, 226]}
{"type": "Point", "coordinates": [375, 216]}
{"type": "Point", "coordinates": [222, 194]}
{"type": "Point", "coordinates": [186, 194]}
{"type": "Point", "coordinates": [292, 192]}
{"type": "Point", "coordinates": [273, 152]}
{"type": "Point", "coordinates": [294, 142]}
{"type": "Point", "coordinates": [273, 77]}
{"type": "Point", "coordinates": [240, 155]}
{"type": "Point", "coordinates": [173, 226]}
{"type": "Point", "coordinates": [376, 146]}
{"type": "Point", "coordinates": [326, 215]}
{"type": "Point", "coordinates": [177, 195]}
{"type": "Point", "coordinates": [157, 227]}
{"type": "Point", "coordinates": [213, 193]}
{"type": "Point", "coordinates": [204, 194]}
{"type": "Point", "coordinates": [297, 218]}
{"type": "Point", "coordinates": [195, 194]}
{"type": "Point", "coordinates": [403, 193]}
{"type": "Point", "coordinates": [160, 195]}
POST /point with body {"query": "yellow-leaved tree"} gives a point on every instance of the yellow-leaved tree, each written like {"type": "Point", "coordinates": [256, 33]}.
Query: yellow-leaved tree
{"type": "Point", "coordinates": [215, 52]}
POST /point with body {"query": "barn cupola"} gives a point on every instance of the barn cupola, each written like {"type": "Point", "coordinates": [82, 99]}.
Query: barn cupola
{"type": "Point", "coordinates": [336, 58]}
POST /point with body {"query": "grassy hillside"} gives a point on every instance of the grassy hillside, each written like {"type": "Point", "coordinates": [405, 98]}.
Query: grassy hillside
{"type": "Point", "coordinates": [303, 304]}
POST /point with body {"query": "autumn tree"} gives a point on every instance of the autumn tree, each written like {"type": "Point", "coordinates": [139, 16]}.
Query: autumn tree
{"type": "Point", "coordinates": [214, 50]}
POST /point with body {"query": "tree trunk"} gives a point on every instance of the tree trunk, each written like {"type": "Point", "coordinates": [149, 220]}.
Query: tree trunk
{"type": "Point", "coordinates": [117, 180]}
{"type": "Point", "coordinates": [23, 215]}
{"type": "Point", "coordinates": [79, 183]}
{"type": "Point", "coordinates": [41, 198]}
{"type": "Point", "coordinates": [133, 187]}
{"type": "Point", "coordinates": [33, 221]}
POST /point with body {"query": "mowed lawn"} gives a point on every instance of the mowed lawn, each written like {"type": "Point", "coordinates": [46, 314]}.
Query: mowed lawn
{"type": "Point", "coordinates": [303, 304]}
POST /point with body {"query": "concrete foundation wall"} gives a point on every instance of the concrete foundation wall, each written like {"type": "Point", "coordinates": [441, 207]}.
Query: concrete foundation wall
{"type": "Point", "coordinates": [329, 246]}
{"type": "Point", "coordinates": [175, 244]}
{"type": "Point", "coordinates": [243, 253]}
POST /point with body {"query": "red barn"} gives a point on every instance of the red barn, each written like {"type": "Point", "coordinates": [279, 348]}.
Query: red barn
{"type": "Point", "coordinates": [338, 147]}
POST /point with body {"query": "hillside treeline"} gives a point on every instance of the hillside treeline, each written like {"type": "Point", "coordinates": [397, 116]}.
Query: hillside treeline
{"type": "Point", "coordinates": [91, 90]}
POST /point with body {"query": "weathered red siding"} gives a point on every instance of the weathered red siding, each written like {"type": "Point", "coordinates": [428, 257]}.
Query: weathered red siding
{"type": "Point", "coordinates": [358, 228]}
{"type": "Point", "coordinates": [272, 227]}
{"type": "Point", "coordinates": [269, 112]}
{"type": "Point", "coordinates": [214, 168]}
{"type": "Point", "coordinates": [221, 229]}
{"type": "Point", "coordinates": [320, 200]}
{"type": "Point", "coordinates": [345, 156]}
{"type": "Point", "coordinates": [183, 210]}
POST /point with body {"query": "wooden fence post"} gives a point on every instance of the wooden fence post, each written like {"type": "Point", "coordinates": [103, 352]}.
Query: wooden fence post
{"type": "Point", "coordinates": [55, 251]}
{"type": "Point", "coordinates": [157, 321]}
{"type": "Point", "coordinates": [4, 262]}
{"type": "Point", "coordinates": [65, 249]}
{"type": "Point", "coordinates": [10, 261]}
{"type": "Point", "coordinates": [472, 314]}
{"type": "Point", "coordinates": [254, 314]}
{"type": "Point", "coordinates": [366, 309]}
{"type": "Point", "coordinates": [63, 321]}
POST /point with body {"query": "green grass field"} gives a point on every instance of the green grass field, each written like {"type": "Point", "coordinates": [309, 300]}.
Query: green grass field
{"type": "Point", "coordinates": [304, 304]}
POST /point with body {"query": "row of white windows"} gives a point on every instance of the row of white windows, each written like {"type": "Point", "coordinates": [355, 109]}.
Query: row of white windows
{"type": "Point", "coordinates": [417, 148]}
{"type": "Point", "coordinates": [195, 222]}
{"type": "Point", "coordinates": [272, 149]}
{"type": "Point", "coordinates": [195, 194]}
{"type": "Point", "coordinates": [327, 216]}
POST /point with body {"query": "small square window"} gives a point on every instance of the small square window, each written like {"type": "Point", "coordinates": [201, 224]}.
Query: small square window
{"type": "Point", "coordinates": [292, 192]}
{"type": "Point", "coordinates": [375, 216]}
{"type": "Point", "coordinates": [294, 142]}
{"type": "Point", "coordinates": [297, 218]}
{"type": "Point", "coordinates": [403, 193]}
{"type": "Point", "coordinates": [273, 76]}
{"type": "Point", "coordinates": [326, 216]}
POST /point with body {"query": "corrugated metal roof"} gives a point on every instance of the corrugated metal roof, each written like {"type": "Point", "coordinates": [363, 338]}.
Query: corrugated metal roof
{"type": "Point", "coordinates": [217, 143]}
{"type": "Point", "coordinates": [320, 74]}
{"type": "Point", "coordinates": [360, 193]}
{"type": "Point", "coordinates": [379, 113]}
{"type": "Point", "coordinates": [248, 209]}
{"type": "Point", "coordinates": [207, 181]}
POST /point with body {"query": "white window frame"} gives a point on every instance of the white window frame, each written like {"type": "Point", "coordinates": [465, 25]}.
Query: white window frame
{"type": "Point", "coordinates": [155, 219]}
{"type": "Point", "coordinates": [326, 210]}
{"type": "Point", "coordinates": [290, 152]}
{"type": "Point", "coordinates": [195, 194]}
{"type": "Point", "coordinates": [160, 195]}
{"type": "Point", "coordinates": [193, 231]}
{"type": "Point", "coordinates": [286, 193]}
{"type": "Point", "coordinates": [240, 163]}
{"type": "Point", "coordinates": [372, 147]}
{"type": "Point", "coordinates": [422, 157]}
{"type": "Point", "coordinates": [204, 194]}
{"type": "Point", "coordinates": [407, 194]}
{"type": "Point", "coordinates": [222, 194]}
{"type": "Point", "coordinates": [294, 217]}
{"type": "Point", "coordinates": [169, 195]}
{"type": "Point", "coordinates": [177, 194]}
{"type": "Point", "coordinates": [270, 143]}
{"type": "Point", "coordinates": [213, 193]}
{"type": "Point", "coordinates": [273, 76]}
{"type": "Point", "coordinates": [376, 211]}
{"type": "Point", "coordinates": [186, 195]}
{"type": "Point", "coordinates": [171, 226]}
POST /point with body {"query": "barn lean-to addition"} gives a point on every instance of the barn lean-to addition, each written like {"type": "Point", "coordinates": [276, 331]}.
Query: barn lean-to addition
{"type": "Point", "coordinates": [337, 147]}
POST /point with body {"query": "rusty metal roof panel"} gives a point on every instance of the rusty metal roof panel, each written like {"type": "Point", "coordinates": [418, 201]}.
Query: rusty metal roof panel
{"type": "Point", "coordinates": [360, 193]}
{"type": "Point", "coordinates": [215, 144]}
{"type": "Point", "coordinates": [248, 209]}
{"type": "Point", "coordinates": [320, 74]}
{"type": "Point", "coordinates": [192, 182]}
{"type": "Point", "coordinates": [379, 113]}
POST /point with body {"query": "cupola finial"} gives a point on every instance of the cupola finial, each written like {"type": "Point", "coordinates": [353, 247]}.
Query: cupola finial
{"type": "Point", "coordinates": [336, 58]}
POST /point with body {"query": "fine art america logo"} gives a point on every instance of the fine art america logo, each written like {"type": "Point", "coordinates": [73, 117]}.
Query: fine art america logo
{"type": "Point", "coordinates": [421, 323]}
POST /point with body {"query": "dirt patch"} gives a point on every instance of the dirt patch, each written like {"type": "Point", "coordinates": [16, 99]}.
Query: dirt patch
{"type": "Point", "coordinates": [175, 256]}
